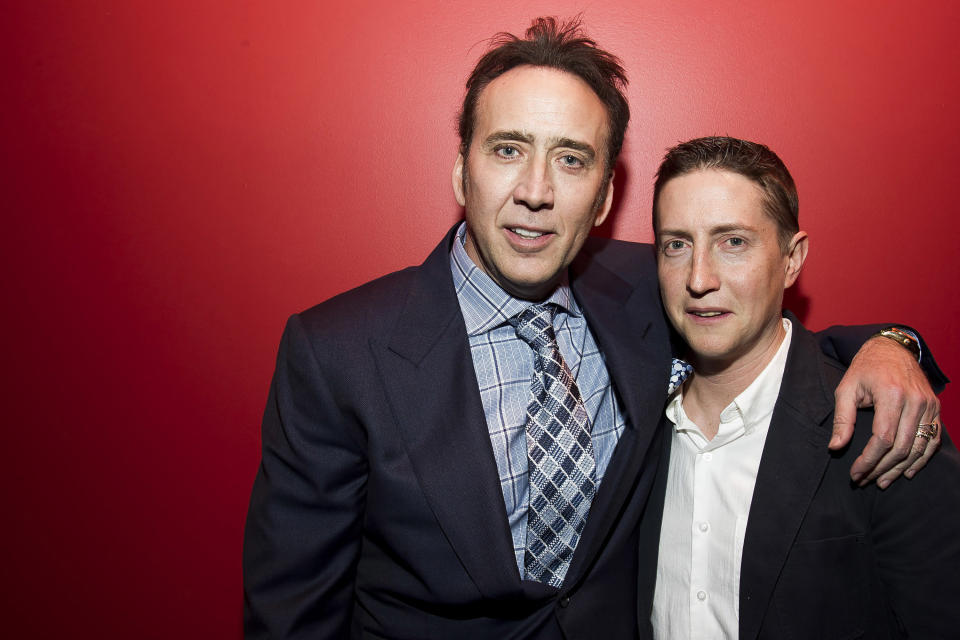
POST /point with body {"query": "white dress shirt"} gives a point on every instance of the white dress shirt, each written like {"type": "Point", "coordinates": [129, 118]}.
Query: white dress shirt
{"type": "Point", "coordinates": [709, 490]}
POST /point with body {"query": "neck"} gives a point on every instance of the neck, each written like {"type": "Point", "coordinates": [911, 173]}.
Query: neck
{"type": "Point", "coordinates": [717, 382]}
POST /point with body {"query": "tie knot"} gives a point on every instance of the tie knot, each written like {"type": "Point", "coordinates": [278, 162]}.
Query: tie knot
{"type": "Point", "coordinates": [534, 325]}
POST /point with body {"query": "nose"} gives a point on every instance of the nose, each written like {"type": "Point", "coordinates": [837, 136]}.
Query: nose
{"type": "Point", "coordinates": [535, 187]}
{"type": "Point", "coordinates": [702, 278]}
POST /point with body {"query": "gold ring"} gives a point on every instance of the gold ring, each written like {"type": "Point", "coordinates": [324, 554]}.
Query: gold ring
{"type": "Point", "coordinates": [927, 430]}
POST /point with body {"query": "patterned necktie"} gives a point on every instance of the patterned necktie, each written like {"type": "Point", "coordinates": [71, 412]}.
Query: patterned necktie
{"type": "Point", "coordinates": [562, 469]}
{"type": "Point", "coordinates": [679, 371]}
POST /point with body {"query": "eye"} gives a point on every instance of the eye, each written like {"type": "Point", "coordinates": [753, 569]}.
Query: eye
{"type": "Point", "coordinates": [673, 247]}
{"type": "Point", "coordinates": [571, 161]}
{"type": "Point", "coordinates": [507, 152]}
{"type": "Point", "coordinates": [735, 242]}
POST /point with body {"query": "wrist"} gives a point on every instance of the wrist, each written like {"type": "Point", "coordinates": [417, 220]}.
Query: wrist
{"type": "Point", "coordinates": [904, 337]}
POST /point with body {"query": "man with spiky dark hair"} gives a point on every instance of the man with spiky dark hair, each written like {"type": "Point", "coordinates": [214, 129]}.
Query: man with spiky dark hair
{"type": "Point", "coordinates": [464, 449]}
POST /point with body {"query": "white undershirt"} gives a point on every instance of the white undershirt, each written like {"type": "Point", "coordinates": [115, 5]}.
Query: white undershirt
{"type": "Point", "coordinates": [709, 490]}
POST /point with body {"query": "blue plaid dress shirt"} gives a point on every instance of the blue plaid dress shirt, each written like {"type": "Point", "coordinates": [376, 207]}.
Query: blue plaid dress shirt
{"type": "Point", "coordinates": [504, 367]}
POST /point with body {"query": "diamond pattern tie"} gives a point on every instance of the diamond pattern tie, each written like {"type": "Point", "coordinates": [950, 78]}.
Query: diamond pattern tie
{"type": "Point", "coordinates": [562, 468]}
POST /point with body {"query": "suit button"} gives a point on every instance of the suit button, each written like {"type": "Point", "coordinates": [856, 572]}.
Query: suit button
{"type": "Point", "coordinates": [565, 601]}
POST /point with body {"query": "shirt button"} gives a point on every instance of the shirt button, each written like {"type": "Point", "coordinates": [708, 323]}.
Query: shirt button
{"type": "Point", "coordinates": [708, 456]}
{"type": "Point", "coordinates": [704, 527]}
{"type": "Point", "coordinates": [701, 595]}
{"type": "Point", "coordinates": [564, 602]}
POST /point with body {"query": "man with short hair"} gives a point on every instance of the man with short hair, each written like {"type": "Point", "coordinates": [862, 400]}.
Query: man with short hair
{"type": "Point", "coordinates": [763, 535]}
{"type": "Point", "coordinates": [465, 448]}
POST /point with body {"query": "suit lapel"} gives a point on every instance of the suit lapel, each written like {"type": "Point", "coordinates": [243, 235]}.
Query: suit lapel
{"type": "Point", "coordinates": [629, 328]}
{"type": "Point", "coordinates": [428, 373]}
{"type": "Point", "coordinates": [795, 457]}
{"type": "Point", "coordinates": [429, 377]}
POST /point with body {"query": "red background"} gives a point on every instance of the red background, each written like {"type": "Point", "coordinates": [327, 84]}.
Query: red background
{"type": "Point", "coordinates": [179, 177]}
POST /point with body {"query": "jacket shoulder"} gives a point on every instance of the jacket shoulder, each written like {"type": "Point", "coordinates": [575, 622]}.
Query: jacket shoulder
{"type": "Point", "coordinates": [632, 261]}
{"type": "Point", "coordinates": [370, 303]}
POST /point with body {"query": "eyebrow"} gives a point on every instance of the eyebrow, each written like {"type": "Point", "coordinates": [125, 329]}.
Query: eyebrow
{"type": "Point", "coordinates": [676, 233]}
{"type": "Point", "coordinates": [528, 138]}
{"type": "Point", "coordinates": [719, 229]}
{"type": "Point", "coordinates": [727, 228]}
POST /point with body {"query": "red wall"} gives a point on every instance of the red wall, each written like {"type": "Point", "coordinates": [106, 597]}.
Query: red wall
{"type": "Point", "coordinates": [178, 177]}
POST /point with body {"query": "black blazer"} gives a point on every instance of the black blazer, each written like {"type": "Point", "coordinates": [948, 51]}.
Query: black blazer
{"type": "Point", "coordinates": [377, 510]}
{"type": "Point", "coordinates": [823, 558]}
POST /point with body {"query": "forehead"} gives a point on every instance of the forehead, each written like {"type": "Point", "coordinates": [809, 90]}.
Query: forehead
{"type": "Point", "coordinates": [542, 102]}
{"type": "Point", "coordinates": [710, 197]}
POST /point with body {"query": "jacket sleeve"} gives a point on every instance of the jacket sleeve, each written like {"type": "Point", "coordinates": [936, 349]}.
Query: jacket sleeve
{"type": "Point", "coordinates": [915, 531]}
{"type": "Point", "coordinates": [304, 524]}
{"type": "Point", "coordinates": [842, 343]}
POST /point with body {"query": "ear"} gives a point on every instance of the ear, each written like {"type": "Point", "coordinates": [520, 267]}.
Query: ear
{"type": "Point", "coordinates": [796, 256]}
{"type": "Point", "coordinates": [457, 178]}
{"type": "Point", "coordinates": [607, 202]}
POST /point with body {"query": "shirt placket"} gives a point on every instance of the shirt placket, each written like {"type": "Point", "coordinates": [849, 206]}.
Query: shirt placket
{"type": "Point", "coordinates": [703, 479]}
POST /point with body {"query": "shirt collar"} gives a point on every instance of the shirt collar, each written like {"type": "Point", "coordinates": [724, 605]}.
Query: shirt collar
{"type": "Point", "coordinates": [751, 408]}
{"type": "Point", "coordinates": [756, 402]}
{"type": "Point", "coordinates": [484, 304]}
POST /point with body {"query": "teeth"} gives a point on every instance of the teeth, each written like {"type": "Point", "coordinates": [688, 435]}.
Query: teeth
{"type": "Point", "coordinates": [706, 314]}
{"type": "Point", "coordinates": [526, 234]}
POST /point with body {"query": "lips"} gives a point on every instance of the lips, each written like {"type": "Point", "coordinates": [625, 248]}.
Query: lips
{"type": "Point", "coordinates": [526, 233]}
{"type": "Point", "coordinates": [527, 240]}
{"type": "Point", "coordinates": [707, 314]}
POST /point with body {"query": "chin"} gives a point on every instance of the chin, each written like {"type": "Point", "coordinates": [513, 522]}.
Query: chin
{"type": "Point", "coordinates": [531, 284]}
{"type": "Point", "coordinates": [710, 350]}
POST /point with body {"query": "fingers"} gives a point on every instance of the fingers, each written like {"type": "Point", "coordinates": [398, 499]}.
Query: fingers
{"type": "Point", "coordinates": [901, 412]}
{"type": "Point", "coordinates": [929, 446]}
{"type": "Point", "coordinates": [930, 449]}
{"type": "Point", "coordinates": [916, 452]}
{"type": "Point", "coordinates": [845, 414]}
{"type": "Point", "coordinates": [887, 378]}
{"type": "Point", "coordinates": [920, 449]}
{"type": "Point", "coordinates": [883, 450]}
{"type": "Point", "coordinates": [861, 471]}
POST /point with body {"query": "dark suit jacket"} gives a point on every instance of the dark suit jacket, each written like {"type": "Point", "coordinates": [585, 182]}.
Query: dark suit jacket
{"type": "Point", "coordinates": [825, 559]}
{"type": "Point", "coordinates": [377, 510]}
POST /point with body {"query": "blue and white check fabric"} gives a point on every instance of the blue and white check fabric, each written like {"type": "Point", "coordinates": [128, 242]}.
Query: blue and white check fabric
{"type": "Point", "coordinates": [504, 367]}
{"type": "Point", "coordinates": [679, 371]}
{"type": "Point", "coordinates": [559, 453]}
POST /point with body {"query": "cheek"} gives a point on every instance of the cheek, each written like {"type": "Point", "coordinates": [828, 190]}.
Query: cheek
{"type": "Point", "coordinates": [744, 278]}
{"type": "Point", "coordinates": [757, 289]}
{"type": "Point", "coordinates": [486, 186]}
{"type": "Point", "coordinates": [582, 231]}
{"type": "Point", "coordinates": [671, 286]}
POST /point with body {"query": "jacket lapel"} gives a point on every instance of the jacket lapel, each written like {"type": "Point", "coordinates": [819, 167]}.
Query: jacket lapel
{"type": "Point", "coordinates": [630, 330]}
{"type": "Point", "coordinates": [795, 457]}
{"type": "Point", "coordinates": [428, 374]}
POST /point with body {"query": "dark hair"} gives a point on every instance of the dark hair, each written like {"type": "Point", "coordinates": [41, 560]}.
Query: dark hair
{"type": "Point", "coordinates": [561, 46]}
{"type": "Point", "coordinates": [751, 160]}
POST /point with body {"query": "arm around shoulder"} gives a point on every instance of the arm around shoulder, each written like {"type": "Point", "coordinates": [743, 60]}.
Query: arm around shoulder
{"type": "Point", "coordinates": [884, 375]}
{"type": "Point", "coordinates": [304, 524]}
{"type": "Point", "coordinates": [842, 343]}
